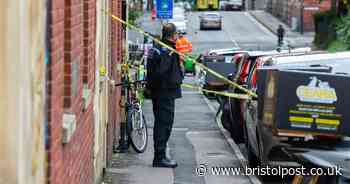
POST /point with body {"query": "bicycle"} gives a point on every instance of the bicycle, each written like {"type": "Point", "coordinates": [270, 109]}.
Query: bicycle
{"type": "Point", "coordinates": [134, 131]}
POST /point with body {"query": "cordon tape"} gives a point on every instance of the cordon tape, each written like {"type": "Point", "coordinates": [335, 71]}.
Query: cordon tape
{"type": "Point", "coordinates": [232, 95]}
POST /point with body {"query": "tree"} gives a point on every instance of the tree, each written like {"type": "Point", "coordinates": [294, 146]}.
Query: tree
{"type": "Point", "coordinates": [334, 4]}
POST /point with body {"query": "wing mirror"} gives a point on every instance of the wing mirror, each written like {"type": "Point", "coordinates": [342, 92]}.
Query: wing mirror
{"type": "Point", "coordinates": [230, 76]}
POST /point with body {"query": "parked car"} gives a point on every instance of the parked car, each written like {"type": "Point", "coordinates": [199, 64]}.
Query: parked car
{"type": "Point", "coordinates": [222, 4]}
{"type": "Point", "coordinates": [220, 61]}
{"type": "Point", "coordinates": [180, 23]}
{"type": "Point", "coordinates": [210, 20]}
{"type": "Point", "coordinates": [233, 5]}
{"type": "Point", "coordinates": [232, 117]}
{"type": "Point", "coordinates": [179, 20]}
{"type": "Point", "coordinates": [187, 6]}
{"type": "Point", "coordinates": [179, 5]}
{"type": "Point", "coordinates": [264, 145]}
{"type": "Point", "coordinates": [178, 11]}
{"type": "Point", "coordinates": [228, 53]}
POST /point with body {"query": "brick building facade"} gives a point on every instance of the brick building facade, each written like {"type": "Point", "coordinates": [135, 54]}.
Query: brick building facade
{"type": "Point", "coordinates": [71, 85]}
{"type": "Point", "coordinates": [293, 12]}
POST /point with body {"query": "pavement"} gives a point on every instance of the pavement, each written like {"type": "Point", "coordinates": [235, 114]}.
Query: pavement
{"type": "Point", "coordinates": [196, 139]}
{"type": "Point", "coordinates": [271, 23]}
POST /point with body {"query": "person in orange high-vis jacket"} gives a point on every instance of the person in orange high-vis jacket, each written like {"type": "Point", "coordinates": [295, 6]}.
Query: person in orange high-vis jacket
{"type": "Point", "coordinates": [183, 45]}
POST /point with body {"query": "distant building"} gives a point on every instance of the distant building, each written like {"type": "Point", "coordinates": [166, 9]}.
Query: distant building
{"type": "Point", "coordinates": [297, 13]}
{"type": "Point", "coordinates": [255, 4]}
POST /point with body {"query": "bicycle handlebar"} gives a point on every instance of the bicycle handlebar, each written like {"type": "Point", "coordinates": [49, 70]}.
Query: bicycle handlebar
{"type": "Point", "coordinates": [130, 83]}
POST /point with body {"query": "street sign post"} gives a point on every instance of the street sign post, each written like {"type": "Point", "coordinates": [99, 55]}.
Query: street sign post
{"type": "Point", "coordinates": [164, 9]}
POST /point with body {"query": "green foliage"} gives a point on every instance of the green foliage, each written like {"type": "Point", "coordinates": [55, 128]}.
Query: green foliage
{"type": "Point", "coordinates": [324, 29]}
{"type": "Point", "coordinates": [337, 46]}
{"type": "Point", "coordinates": [343, 29]}
{"type": "Point", "coordinates": [133, 16]}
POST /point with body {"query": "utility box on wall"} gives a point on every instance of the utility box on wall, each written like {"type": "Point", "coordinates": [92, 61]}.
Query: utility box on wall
{"type": "Point", "coordinates": [68, 127]}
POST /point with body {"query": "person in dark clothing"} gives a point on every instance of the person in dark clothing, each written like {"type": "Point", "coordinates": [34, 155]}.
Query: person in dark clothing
{"type": "Point", "coordinates": [164, 79]}
{"type": "Point", "coordinates": [280, 34]}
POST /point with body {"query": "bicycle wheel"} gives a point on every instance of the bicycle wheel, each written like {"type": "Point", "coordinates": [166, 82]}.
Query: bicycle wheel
{"type": "Point", "coordinates": [138, 134]}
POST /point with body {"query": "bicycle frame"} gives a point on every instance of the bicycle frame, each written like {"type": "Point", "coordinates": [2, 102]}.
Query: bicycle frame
{"type": "Point", "coordinates": [131, 100]}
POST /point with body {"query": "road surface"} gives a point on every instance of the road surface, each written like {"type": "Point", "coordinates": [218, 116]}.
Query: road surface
{"type": "Point", "coordinates": [238, 29]}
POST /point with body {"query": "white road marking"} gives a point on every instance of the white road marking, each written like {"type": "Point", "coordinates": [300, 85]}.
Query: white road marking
{"type": "Point", "coordinates": [231, 37]}
{"type": "Point", "coordinates": [263, 28]}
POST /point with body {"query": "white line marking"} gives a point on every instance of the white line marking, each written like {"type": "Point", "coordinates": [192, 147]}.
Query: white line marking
{"type": "Point", "coordinates": [263, 28]}
{"type": "Point", "coordinates": [232, 144]}
{"type": "Point", "coordinates": [231, 37]}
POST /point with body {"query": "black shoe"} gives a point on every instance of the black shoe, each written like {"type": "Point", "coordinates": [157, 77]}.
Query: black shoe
{"type": "Point", "coordinates": [168, 163]}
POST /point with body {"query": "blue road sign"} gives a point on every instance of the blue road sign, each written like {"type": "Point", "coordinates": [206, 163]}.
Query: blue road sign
{"type": "Point", "coordinates": [164, 9]}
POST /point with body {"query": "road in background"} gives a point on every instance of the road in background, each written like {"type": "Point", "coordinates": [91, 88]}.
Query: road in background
{"type": "Point", "coordinates": [238, 28]}
{"type": "Point", "coordinates": [148, 25]}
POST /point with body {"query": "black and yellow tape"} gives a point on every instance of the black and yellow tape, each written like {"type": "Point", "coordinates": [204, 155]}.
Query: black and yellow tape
{"type": "Point", "coordinates": [231, 95]}
{"type": "Point", "coordinates": [249, 93]}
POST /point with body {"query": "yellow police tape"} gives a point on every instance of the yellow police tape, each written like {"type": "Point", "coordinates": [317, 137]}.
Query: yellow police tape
{"type": "Point", "coordinates": [231, 95]}
{"type": "Point", "coordinates": [193, 87]}
{"type": "Point", "coordinates": [249, 93]}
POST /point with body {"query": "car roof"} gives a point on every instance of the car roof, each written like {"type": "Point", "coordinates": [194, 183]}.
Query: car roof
{"type": "Point", "coordinates": [312, 57]}
{"type": "Point", "coordinates": [340, 61]}
{"type": "Point", "coordinates": [223, 51]}
{"type": "Point", "coordinates": [211, 13]}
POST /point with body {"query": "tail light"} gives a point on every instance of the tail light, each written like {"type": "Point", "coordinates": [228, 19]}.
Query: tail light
{"type": "Point", "coordinates": [327, 137]}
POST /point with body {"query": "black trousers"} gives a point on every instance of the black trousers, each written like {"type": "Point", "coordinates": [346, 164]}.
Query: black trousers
{"type": "Point", "coordinates": [163, 110]}
{"type": "Point", "coordinates": [280, 41]}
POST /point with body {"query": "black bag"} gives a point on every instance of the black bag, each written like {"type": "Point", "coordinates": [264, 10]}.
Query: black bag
{"type": "Point", "coordinates": [151, 68]}
{"type": "Point", "coordinates": [163, 70]}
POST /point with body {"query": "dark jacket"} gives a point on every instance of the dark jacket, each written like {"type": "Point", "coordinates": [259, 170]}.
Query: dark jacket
{"type": "Point", "coordinates": [280, 32]}
{"type": "Point", "coordinates": [165, 77]}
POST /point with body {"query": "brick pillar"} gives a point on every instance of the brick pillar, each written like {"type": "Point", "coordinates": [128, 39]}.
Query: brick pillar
{"type": "Point", "coordinates": [114, 95]}
{"type": "Point", "coordinates": [72, 48]}
{"type": "Point", "coordinates": [72, 162]}
{"type": "Point", "coordinates": [55, 90]}
{"type": "Point", "coordinates": [89, 37]}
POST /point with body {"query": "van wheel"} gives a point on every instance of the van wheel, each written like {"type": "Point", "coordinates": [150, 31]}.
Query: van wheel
{"type": "Point", "coordinates": [253, 160]}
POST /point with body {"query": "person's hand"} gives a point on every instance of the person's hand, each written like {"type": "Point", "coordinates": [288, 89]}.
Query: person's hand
{"type": "Point", "coordinates": [182, 58]}
{"type": "Point", "coordinates": [182, 68]}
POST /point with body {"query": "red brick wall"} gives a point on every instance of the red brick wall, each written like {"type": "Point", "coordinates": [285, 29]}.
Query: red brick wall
{"type": "Point", "coordinates": [294, 10]}
{"type": "Point", "coordinates": [72, 35]}
{"type": "Point", "coordinates": [308, 14]}
{"type": "Point", "coordinates": [116, 58]}
{"type": "Point", "coordinates": [89, 37]}
{"type": "Point", "coordinates": [72, 42]}
{"type": "Point", "coordinates": [55, 90]}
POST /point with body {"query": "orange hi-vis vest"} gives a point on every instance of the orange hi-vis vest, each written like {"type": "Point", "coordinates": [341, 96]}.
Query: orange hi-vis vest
{"type": "Point", "coordinates": [183, 45]}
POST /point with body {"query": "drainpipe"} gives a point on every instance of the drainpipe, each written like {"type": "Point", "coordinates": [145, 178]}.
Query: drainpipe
{"type": "Point", "coordinates": [47, 132]}
{"type": "Point", "coordinates": [301, 16]}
